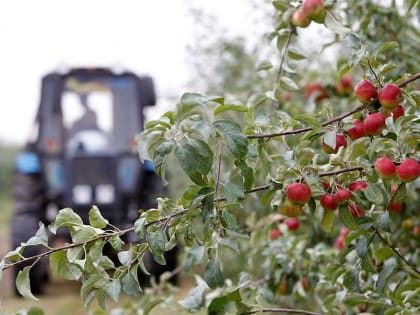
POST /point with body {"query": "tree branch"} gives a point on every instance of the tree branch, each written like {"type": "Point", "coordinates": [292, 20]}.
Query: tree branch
{"type": "Point", "coordinates": [412, 266]}
{"type": "Point", "coordinates": [409, 80]}
{"type": "Point", "coordinates": [279, 310]}
{"type": "Point", "coordinates": [99, 237]}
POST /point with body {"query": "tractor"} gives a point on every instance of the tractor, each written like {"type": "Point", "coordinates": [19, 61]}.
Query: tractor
{"type": "Point", "coordinates": [82, 152]}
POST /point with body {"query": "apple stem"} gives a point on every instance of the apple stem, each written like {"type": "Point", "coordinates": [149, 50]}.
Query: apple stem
{"type": "Point", "coordinates": [374, 73]}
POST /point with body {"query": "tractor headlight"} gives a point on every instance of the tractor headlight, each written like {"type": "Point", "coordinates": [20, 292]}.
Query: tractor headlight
{"type": "Point", "coordinates": [105, 194]}
{"type": "Point", "coordinates": [82, 194]}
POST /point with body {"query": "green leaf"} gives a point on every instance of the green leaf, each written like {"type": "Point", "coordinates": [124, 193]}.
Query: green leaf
{"type": "Point", "coordinates": [233, 136]}
{"type": "Point", "coordinates": [331, 23]}
{"type": "Point", "coordinates": [328, 220]}
{"type": "Point", "coordinates": [330, 139]}
{"type": "Point", "coordinates": [347, 219]}
{"type": "Point", "coordinates": [130, 284]}
{"type": "Point", "coordinates": [280, 5]}
{"type": "Point", "coordinates": [124, 257]}
{"type": "Point", "coordinates": [96, 219]}
{"type": "Point", "coordinates": [40, 237]}
{"type": "Point", "coordinates": [264, 65]}
{"type": "Point", "coordinates": [383, 222]}
{"type": "Point", "coordinates": [361, 246]}
{"type": "Point", "coordinates": [293, 54]}
{"type": "Point", "coordinates": [113, 289]}
{"type": "Point", "coordinates": [383, 253]}
{"type": "Point", "coordinates": [35, 311]}
{"type": "Point", "coordinates": [310, 120]}
{"type": "Point", "coordinates": [83, 233]}
{"type": "Point", "coordinates": [385, 274]}
{"type": "Point", "coordinates": [213, 275]}
{"type": "Point", "coordinates": [232, 192]}
{"type": "Point", "coordinates": [232, 107]}
{"type": "Point", "coordinates": [386, 47]}
{"type": "Point", "coordinates": [412, 4]}
{"type": "Point", "coordinates": [247, 174]}
{"type": "Point", "coordinates": [67, 217]}
{"type": "Point", "coordinates": [160, 157]}
{"type": "Point", "coordinates": [157, 241]}
{"type": "Point", "coordinates": [23, 284]}
{"type": "Point", "coordinates": [288, 84]}
{"type": "Point", "coordinates": [196, 159]}
{"type": "Point", "coordinates": [195, 299]}
{"type": "Point", "coordinates": [231, 303]}
{"type": "Point", "coordinates": [375, 194]}
{"type": "Point", "coordinates": [229, 220]}
{"type": "Point", "coordinates": [231, 244]}
{"type": "Point", "coordinates": [61, 267]}
{"type": "Point", "coordinates": [194, 256]}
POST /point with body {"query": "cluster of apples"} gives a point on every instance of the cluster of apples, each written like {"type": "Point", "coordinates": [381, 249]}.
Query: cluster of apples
{"type": "Point", "coordinates": [407, 171]}
{"type": "Point", "coordinates": [292, 224]}
{"type": "Point", "coordinates": [311, 10]}
{"type": "Point", "coordinates": [389, 98]}
{"type": "Point", "coordinates": [343, 196]}
{"type": "Point", "coordinates": [340, 241]}
{"type": "Point", "coordinates": [342, 88]}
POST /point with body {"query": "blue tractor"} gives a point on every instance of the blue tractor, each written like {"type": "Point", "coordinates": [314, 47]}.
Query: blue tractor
{"type": "Point", "coordinates": [82, 152]}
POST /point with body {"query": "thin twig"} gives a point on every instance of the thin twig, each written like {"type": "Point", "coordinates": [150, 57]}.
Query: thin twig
{"type": "Point", "coordinates": [409, 80]}
{"type": "Point", "coordinates": [412, 266]}
{"type": "Point", "coordinates": [99, 237]}
{"type": "Point", "coordinates": [374, 73]}
{"type": "Point", "coordinates": [279, 310]}
{"type": "Point", "coordinates": [302, 130]}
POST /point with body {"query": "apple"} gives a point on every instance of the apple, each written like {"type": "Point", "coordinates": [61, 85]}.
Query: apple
{"type": "Point", "coordinates": [385, 167]}
{"type": "Point", "coordinates": [365, 91]}
{"type": "Point", "coordinates": [305, 284]}
{"type": "Point", "coordinates": [314, 9]}
{"type": "Point", "coordinates": [290, 209]}
{"type": "Point", "coordinates": [344, 231]}
{"type": "Point", "coordinates": [397, 112]}
{"type": "Point", "coordinates": [357, 131]}
{"type": "Point", "coordinates": [275, 234]}
{"type": "Point", "coordinates": [318, 89]}
{"type": "Point", "coordinates": [355, 210]}
{"type": "Point", "coordinates": [282, 288]}
{"type": "Point", "coordinates": [390, 96]}
{"type": "Point", "coordinates": [342, 196]}
{"type": "Point", "coordinates": [326, 185]}
{"type": "Point", "coordinates": [299, 18]}
{"type": "Point", "coordinates": [374, 124]}
{"type": "Point", "coordinates": [292, 224]}
{"type": "Point", "coordinates": [298, 193]}
{"type": "Point", "coordinates": [408, 170]}
{"type": "Point", "coordinates": [396, 204]}
{"type": "Point", "coordinates": [358, 185]}
{"type": "Point", "coordinates": [345, 86]}
{"type": "Point", "coordinates": [416, 230]}
{"type": "Point", "coordinates": [340, 242]}
{"type": "Point", "coordinates": [328, 202]}
{"type": "Point", "coordinates": [340, 141]}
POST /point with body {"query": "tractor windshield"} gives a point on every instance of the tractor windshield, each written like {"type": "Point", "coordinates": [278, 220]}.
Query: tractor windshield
{"type": "Point", "coordinates": [101, 114]}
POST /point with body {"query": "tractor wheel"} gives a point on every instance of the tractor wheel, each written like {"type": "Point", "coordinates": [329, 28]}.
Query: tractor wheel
{"type": "Point", "coordinates": [30, 201]}
{"type": "Point", "coordinates": [147, 91]}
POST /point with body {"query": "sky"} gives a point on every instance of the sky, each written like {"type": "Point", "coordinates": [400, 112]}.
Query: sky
{"type": "Point", "coordinates": [144, 36]}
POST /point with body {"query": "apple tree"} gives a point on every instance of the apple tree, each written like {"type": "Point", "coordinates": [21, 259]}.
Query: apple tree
{"type": "Point", "coordinates": [303, 199]}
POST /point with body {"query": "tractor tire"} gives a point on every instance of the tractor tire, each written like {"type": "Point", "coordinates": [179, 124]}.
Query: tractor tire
{"type": "Point", "coordinates": [29, 205]}
{"type": "Point", "coordinates": [147, 91]}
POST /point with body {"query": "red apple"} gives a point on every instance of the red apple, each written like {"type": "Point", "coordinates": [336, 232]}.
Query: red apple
{"type": "Point", "coordinates": [397, 112]}
{"type": "Point", "coordinates": [416, 230]}
{"type": "Point", "coordinates": [374, 124]}
{"type": "Point", "coordinates": [328, 202]}
{"type": "Point", "coordinates": [340, 141]}
{"type": "Point", "coordinates": [316, 88]}
{"type": "Point", "coordinates": [314, 9]}
{"type": "Point", "coordinates": [275, 234]}
{"type": "Point", "coordinates": [299, 18]}
{"type": "Point", "coordinates": [357, 131]}
{"type": "Point", "coordinates": [385, 167]}
{"type": "Point", "coordinates": [344, 231]}
{"type": "Point", "coordinates": [345, 86]}
{"type": "Point", "coordinates": [326, 185]}
{"type": "Point", "coordinates": [290, 209]}
{"type": "Point", "coordinates": [408, 170]}
{"type": "Point", "coordinates": [390, 96]}
{"type": "Point", "coordinates": [396, 204]}
{"type": "Point", "coordinates": [358, 185]}
{"type": "Point", "coordinates": [292, 224]}
{"type": "Point", "coordinates": [340, 242]}
{"type": "Point", "coordinates": [298, 193]}
{"type": "Point", "coordinates": [355, 210]}
{"type": "Point", "coordinates": [305, 284]}
{"type": "Point", "coordinates": [365, 91]}
{"type": "Point", "coordinates": [342, 196]}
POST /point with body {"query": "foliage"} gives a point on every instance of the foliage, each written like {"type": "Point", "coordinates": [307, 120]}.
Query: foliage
{"type": "Point", "coordinates": [240, 158]}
